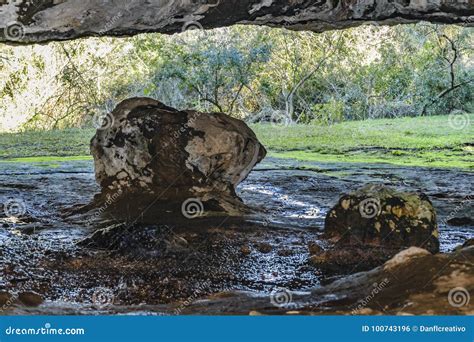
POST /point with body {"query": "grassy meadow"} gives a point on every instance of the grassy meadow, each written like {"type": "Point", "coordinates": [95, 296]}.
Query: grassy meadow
{"type": "Point", "coordinates": [434, 141]}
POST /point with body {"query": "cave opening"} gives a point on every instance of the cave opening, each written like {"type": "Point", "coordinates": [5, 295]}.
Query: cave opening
{"type": "Point", "coordinates": [231, 161]}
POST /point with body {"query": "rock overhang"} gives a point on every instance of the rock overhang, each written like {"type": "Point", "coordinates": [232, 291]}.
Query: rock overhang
{"type": "Point", "coordinates": [36, 21]}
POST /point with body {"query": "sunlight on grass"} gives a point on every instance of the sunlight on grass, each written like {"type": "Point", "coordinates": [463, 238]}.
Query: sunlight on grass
{"type": "Point", "coordinates": [424, 141]}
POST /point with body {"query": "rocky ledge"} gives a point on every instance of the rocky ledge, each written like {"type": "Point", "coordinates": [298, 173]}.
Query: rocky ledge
{"type": "Point", "coordinates": [414, 281]}
{"type": "Point", "coordinates": [27, 21]}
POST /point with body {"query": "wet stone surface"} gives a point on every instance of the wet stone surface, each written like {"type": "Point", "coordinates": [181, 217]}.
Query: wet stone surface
{"type": "Point", "coordinates": [380, 216]}
{"type": "Point", "coordinates": [169, 266]}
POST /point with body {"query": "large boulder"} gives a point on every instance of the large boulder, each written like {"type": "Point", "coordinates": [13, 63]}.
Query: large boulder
{"type": "Point", "coordinates": [380, 216]}
{"type": "Point", "coordinates": [146, 150]}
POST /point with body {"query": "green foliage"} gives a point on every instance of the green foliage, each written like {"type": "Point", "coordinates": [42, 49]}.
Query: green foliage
{"type": "Point", "coordinates": [256, 73]}
{"type": "Point", "coordinates": [328, 113]}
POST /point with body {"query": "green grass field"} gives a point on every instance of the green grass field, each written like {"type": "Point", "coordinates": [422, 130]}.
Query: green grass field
{"type": "Point", "coordinates": [425, 141]}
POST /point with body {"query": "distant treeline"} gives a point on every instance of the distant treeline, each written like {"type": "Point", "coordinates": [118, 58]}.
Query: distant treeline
{"type": "Point", "coordinates": [255, 73]}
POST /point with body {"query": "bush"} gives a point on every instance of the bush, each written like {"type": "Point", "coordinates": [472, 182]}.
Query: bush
{"type": "Point", "coordinates": [328, 113]}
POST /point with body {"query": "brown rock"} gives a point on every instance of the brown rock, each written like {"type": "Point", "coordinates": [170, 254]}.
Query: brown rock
{"type": "Point", "coordinates": [146, 148]}
{"type": "Point", "coordinates": [414, 282]}
{"type": "Point", "coordinates": [350, 259]}
{"type": "Point", "coordinates": [285, 252]}
{"type": "Point", "coordinates": [379, 216]}
{"type": "Point", "coordinates": [30, 298]}
{"type": "Point", "coordinates": [264, 247]}
{"type": "Point", "coordinates": [5, 298]}
{"type": "Point", "coordinates": [245, 250]}
{"type": "Point", "coordinates": [314, 248]}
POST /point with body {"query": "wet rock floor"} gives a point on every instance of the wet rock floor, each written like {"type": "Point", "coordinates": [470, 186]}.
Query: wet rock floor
{"type": "Point", "coordinates": [257, 264]}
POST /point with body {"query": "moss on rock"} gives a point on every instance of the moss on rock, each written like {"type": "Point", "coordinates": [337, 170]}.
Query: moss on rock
{"type": "Point", "coordinates": [380, 216]}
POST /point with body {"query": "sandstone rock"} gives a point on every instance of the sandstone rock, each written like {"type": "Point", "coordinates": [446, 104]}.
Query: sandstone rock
{"type": "Point", "coordinates": [5, 299]}
{"type": "Point", "coordinates": [350, 259]}
{"type": "Point", "coordinates": [404, 256]}
{"type": "Point", "coordinates": [245, 250]}
{"type": "Point", "coordinates": [30, 298]}
{"type": "Point", "coordinates": [314, 248]}
{"type": "Point", "coordinates": [467, 243]}
{"type": "Point", "coordinates": [413, 282]}
{"type": "Point", "coordinates": [380, 216]}
{"type": "Point", "coordinates": [264, 247]}
{"type": "Point", "coordinates": [460, 221]}
{"type": "Point", "coordinates": [25, 21]}
{"type": "Point", "coordinates": [146, 151]}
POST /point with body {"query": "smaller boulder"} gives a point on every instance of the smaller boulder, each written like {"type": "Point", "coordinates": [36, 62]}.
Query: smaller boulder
{"type": "Point", "coordinates": [349, 260]}
{"type": "Point", "coordinates": [30, 298]}
{"type": "Point", "coordinates": [314, 248]}
{"type": "Point", "coordinates": [5, 299]}
{"type": "Point", "coordinates": [380, 216]}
